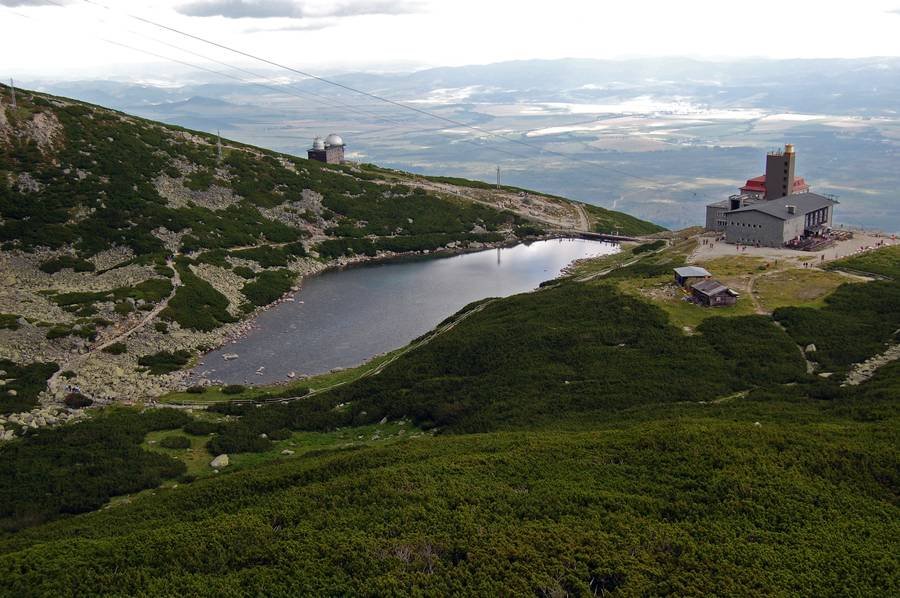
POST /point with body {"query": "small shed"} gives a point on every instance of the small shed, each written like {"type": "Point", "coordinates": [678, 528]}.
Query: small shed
{"type": "Point", "coordinates": [684, 274]}
{"type": "Point", "coordinates": [713, 293]}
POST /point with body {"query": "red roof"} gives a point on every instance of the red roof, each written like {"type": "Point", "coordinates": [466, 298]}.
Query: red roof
{"type": "Point", "coordinates": [758, 185]}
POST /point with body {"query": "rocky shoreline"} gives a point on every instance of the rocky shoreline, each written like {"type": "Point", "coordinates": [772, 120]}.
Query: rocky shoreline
{"type": "Point", "coordinates": [109, 378]}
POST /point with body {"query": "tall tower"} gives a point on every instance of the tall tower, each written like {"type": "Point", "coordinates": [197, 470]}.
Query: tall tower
{"type": "Point", "coordinates": [219, 146]}
{"type": "Point", "coordinates": [780, 172]}
{"type": "Point", "coordinates": [12, 87]}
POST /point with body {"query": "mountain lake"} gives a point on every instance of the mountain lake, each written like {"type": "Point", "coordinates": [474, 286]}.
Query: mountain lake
{"type": "Point", "coordinates": [342, 318]}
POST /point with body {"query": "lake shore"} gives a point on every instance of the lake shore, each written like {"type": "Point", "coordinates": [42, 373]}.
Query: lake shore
{"type": "Point", "coordinates": [394, 290]}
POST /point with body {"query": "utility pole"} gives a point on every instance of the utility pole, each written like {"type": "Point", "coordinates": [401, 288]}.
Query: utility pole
{"type": "Point", "coordinates": [498, 176]}
{"type": "Point", "coordinates": [12, 86]}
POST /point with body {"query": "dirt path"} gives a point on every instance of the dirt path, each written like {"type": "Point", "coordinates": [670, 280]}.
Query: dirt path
{"type": "Point", "coordinates": [757, 306]}
{"type": "Point", "coordinates": [584, 223]}
{"type": "Point", "coordinates": [53, 382]}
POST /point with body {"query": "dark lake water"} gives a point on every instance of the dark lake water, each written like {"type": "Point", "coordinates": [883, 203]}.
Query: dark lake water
{"type": "Point", "coordinates": [343, 318]}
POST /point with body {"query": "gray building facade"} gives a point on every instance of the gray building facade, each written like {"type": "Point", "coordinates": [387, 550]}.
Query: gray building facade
{"type": "Point", "coordinates": [778, 222]}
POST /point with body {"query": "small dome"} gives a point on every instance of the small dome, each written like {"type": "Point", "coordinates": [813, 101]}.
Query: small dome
{"type": "Point", "coordinates": [318, 144]}
{"type": "Point", "coordinates": [334, 140]}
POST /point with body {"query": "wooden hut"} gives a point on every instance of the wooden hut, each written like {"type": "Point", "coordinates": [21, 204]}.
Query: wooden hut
{"type": "Point", "coordinates": [713, 293]}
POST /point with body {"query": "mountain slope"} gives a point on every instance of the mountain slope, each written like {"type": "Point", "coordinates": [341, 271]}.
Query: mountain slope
{"type": "Point", "coordinates": [617, 454]}
{"type": "Point", "coordinates": [125, 234]}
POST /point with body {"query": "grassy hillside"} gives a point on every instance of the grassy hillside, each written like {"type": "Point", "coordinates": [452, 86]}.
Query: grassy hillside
{"type": "Point", "coordinates": [680, 499]}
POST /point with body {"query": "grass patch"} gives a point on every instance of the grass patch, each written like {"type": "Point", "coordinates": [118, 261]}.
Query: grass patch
{"type": "Point", "coordinates": [214, 394]}
{"type": "Point", "coordinates": [885, 261]}
{"type": "Point", "coordinates": [802, 288]}
{"type": "Point", "coordinates": [195, 457]}
{"type": "Point", "coordinates": [608, 221]}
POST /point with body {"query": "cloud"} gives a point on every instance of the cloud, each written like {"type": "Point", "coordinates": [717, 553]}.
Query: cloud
{"type": "Point", "coordinates": [31, 2]}
{"type": "Point", "coordinates": [307, 25]}
{"type": "Point", "coordinates": [292, 9]}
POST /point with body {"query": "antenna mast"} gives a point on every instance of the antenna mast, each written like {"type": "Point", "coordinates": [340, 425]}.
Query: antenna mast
{"type": "Point", "coordinates": [498, 177]}
{"type": "Point", "coordinates": [12, 86]}
{"type": "Point", "coordinates": [219, 145]}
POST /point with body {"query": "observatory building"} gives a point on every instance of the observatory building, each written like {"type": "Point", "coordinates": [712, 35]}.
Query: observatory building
{"type": "Point", "coordinates": [330, 151]}
{"type": "Point", "coordinates": [775, 209]}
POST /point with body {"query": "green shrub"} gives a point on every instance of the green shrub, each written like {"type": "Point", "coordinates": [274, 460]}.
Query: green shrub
{"type": "Point", "coordinates": [197, 389]}
{"type": "Point", "coordinates": [855, 323]}
{"type": "Point", "coordinates": [75, 469]}
{"type": "Point", "coordinates": [199, 180]}
{"type": "Point", "coordinates": [116, 349]}
{"type": "Point", "coordinates": [9, 322]}
{"type": "Point", "coordinates": [280, 434]}
{"type": "Point", "coordinates": [200, 427]}
{"type": "Point", "coordinates": [175, 442]}
{"type": "Point", "coordinates": [27, 381]}
{"type": "Point", "coordinates": [608, 221]}
{"type": "Point", "coordinates": [164, 362]}
{"type": "Point", "coordinates": [529, 230]}
{"type": "Point", "coordinates": [233, 389]}
{"type": "Point", "coordinates": [66, 261]}
{"type": "Point", "coordinates": [76, 400]}
{"type": "Point", "coordinates": [244, 272]}
{"type": "Point", "coordinates": [268, 286]}
{"type": "Point", "coordinates": [197, 304]}
{"type": "Point", "coordinates": [124, 308]}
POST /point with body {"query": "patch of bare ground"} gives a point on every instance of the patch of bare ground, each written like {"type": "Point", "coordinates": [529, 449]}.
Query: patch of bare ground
{"type": "Point", "coordinates": [178, 196]}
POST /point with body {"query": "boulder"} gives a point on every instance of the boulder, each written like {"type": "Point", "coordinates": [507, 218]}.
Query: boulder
{"type": "Point", "coordinates": [287, 452]}
{"type": "Point", "coordinates": [220, 461]}
{"type": "Point", "coordinates": [810, 348]}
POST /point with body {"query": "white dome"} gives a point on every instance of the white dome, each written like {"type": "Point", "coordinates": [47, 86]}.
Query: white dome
{"type": "Point", "coordinates": [334, 140]}
{"type": "Point", "coordinates": [318, 144]}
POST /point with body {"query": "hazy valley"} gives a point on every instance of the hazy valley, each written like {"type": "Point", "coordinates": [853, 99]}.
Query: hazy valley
{"type": "Point", "coordinates": [683, 132]}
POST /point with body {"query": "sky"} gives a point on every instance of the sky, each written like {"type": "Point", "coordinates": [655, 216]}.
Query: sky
{"type": "Point", "coordinates": [64, 39]}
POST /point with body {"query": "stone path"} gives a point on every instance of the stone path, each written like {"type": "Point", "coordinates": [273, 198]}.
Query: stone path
{"type": "Point", "coordinates": [865, 370]}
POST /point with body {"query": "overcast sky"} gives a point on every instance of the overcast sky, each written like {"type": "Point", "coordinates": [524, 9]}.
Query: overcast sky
{"type": "Point", "coordinates": [39, 39]}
